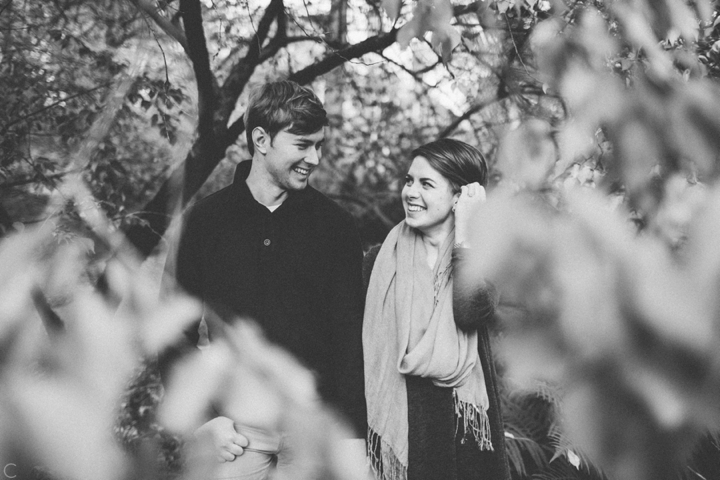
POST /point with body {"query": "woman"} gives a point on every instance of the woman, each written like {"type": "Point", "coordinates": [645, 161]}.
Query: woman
{"type": "Point", "coordinates": [430, 384]}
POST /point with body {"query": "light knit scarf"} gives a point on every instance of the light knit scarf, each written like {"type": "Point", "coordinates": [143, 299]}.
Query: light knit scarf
{"type": "Point", "coordinates": [409, 329]}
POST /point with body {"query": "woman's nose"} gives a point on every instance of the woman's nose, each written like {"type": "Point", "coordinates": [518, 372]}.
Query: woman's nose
{"type": "Point", "coordinates": [411, 191]}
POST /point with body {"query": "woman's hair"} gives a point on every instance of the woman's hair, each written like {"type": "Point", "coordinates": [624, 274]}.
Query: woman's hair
{"type": "Point", "coordinates": [457, 161]}
{"type": "Point", "coordinates": [283, 104]}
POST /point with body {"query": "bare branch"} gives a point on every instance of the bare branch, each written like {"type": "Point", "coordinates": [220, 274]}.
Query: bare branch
{"type": "Point", "coordinates": [163, 22]}
{"type": "Point", "coordinates": [34, 179]}
{"type": "Point", "coordinates": [469, 113]}
{"type": "Point", "coordinates": [374, 44]}
{"type": "Point", "coordinates": [52, 105]}
{"type": "Point", "coordinates": [465, 9]}
{"type": "Point", "coordinates": [191, 11]}
{"type": "Point", "coordinates": [414, 73]}
{"type": "Point", "coordinates": [242, 71]}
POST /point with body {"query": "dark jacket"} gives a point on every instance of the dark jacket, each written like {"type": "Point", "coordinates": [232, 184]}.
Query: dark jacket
{"type": "Point", "coordinates": [434, 448]}
{"type": "Point", "coordinates": [296, 271]}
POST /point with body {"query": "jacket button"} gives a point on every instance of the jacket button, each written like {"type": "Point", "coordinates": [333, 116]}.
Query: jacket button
{"type": "Point", "coordinates": [266, 242]}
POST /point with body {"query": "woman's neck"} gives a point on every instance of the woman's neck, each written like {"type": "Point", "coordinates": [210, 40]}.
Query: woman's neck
{"type": "Point", "coordinates": [433, 240]}
{"type": "Point", "coordinates": [436, 237]}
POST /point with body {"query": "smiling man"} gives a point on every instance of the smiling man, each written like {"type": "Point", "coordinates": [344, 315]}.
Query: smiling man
{"type": "Point", "coordinates": [271, 248]}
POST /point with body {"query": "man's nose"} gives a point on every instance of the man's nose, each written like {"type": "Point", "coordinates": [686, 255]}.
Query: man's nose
{"type": "Point", "coordinates": [313, 156]}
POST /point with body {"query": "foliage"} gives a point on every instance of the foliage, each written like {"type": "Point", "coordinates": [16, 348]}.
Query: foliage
{"type": "Point", "coordinates": [69, 353]}
{"type": "Point", "coordinates": [62, 63]}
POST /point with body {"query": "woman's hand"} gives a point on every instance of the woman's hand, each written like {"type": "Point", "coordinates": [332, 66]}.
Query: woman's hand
{"type": "Point", "coordinates": [471, 197]}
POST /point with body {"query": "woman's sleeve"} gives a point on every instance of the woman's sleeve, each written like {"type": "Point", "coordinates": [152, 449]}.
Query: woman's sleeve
{"type": "Point", "coordinates": [473, 304]}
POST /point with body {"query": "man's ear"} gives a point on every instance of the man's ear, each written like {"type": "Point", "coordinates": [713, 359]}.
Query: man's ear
{"type": "Point", "coordinates": [260, 139]}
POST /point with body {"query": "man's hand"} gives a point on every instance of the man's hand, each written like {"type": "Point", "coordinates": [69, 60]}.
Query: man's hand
{"type": "Point", "coordinates": [221, 435]}
{"type": "Point", "coordinates": [353, 457]}
{"type": "Point", "coordinates": [471, 197]}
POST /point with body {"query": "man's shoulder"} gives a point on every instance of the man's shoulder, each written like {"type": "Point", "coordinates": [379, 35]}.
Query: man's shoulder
{"type": "Point", "coordinates": [216, 199]}
{"type": "Point", "coordinates": [328, 208]}
{"type": "Point", "coordinates": [208, 209]}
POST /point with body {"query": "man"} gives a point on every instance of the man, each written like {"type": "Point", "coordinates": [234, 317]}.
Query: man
{"type": "Point", "coordinates": [271, 248]}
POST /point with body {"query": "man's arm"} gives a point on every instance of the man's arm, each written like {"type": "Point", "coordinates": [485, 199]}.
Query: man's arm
{"type": "Point", "coordinates": [347, 303]}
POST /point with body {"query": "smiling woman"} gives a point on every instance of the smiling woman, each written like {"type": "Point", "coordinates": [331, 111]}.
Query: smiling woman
{"type": "Point", "coordinates": [428, 198]}
{"type": "Point", "coordinates": [432, 398]}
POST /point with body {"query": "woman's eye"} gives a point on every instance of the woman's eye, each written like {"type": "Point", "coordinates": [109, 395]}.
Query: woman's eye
{"type": "Point", "coordinates": [408, 181]}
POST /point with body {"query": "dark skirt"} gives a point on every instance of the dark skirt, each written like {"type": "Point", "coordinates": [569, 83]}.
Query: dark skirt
{"type": "Point", "coordinates": [436, 449]}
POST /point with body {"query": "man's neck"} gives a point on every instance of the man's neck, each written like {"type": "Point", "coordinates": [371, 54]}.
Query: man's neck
{"type": "Point", "coordinates": [262, 188]}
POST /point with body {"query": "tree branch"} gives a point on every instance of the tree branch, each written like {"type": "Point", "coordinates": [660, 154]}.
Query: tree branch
{"type": "Point", "coordinates": [414, 73]}
{"type": "Point", "coordinates": [375, 44]}
{"type": "Point", "coordinates": [465, 9]}
{"type": "Point", "coordinates": [34, 179]}
{"type": "Point", "coordinates": [52, 105]}
{"type": "Point", "coordinates": [241, 72]}
{"type": "Point", "coordinates": [191, 12]}
{"type": "Point", "coordinates": [469, 113]}
{"type": "Point", "coordinates": [164, 23]}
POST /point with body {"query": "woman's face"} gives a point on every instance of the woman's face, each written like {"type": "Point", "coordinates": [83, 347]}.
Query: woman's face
{"type": "Point", "coordinates": [428, 198]}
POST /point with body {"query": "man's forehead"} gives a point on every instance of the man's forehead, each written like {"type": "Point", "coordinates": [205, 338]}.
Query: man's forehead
{"type": "Point", "coordinates": [311, 137]}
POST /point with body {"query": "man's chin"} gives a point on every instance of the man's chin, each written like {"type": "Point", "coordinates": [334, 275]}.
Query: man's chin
{"type": "Point", "coordinates": [298, 184]}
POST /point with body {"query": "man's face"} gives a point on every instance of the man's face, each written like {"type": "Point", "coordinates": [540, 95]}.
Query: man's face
{"type": "Point", "coordinates": [291, 158]}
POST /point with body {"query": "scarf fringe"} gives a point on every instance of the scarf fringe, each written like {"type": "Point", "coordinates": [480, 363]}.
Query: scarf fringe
{"type": "Point", "coordinates": [383, 461]}
{"type": "Point", "coordinates": [474, 421]}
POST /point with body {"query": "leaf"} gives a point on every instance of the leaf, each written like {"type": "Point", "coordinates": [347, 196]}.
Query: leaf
{"type": "Point", "coordinates": [504, 5]}
{"type": "Point", "coordinates": [392, 8]}
{"type": "Point", "coordinates": [409, 31]}
{"type": "Point", "coordinates": [432, 16]}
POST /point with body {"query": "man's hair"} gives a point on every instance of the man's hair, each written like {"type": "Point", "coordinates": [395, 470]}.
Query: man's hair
{"type": "Point", "coordinates": [457, 161]}
{"type": "Point", "coordinates": [283, 104]}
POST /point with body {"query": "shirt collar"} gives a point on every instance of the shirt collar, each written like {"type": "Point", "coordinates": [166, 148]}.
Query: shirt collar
{"type": "Point", "coordinates": [245, 197]}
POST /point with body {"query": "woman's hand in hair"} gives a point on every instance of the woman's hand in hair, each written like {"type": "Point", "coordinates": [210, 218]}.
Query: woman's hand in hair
{"type": "Point", "coordinates": [470, 198]}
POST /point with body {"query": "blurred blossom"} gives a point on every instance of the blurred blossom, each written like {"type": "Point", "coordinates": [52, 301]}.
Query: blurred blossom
{"type": "Point", "coordinates": [194, 384]}
{"type": "Point", "coordinates": [68, 354]}
{"type": "Point", "coordinates": [638, 142]}
{"type": "Point", "coordinates": [681, 201]}
{"type": "Point", "coordinates": [527, 154]}
{"type": "Point", "coordinates": [614, 317]}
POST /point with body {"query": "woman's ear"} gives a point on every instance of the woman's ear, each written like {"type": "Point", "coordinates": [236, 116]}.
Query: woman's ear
{"type": "Point", "coordinates": [260, 139]}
